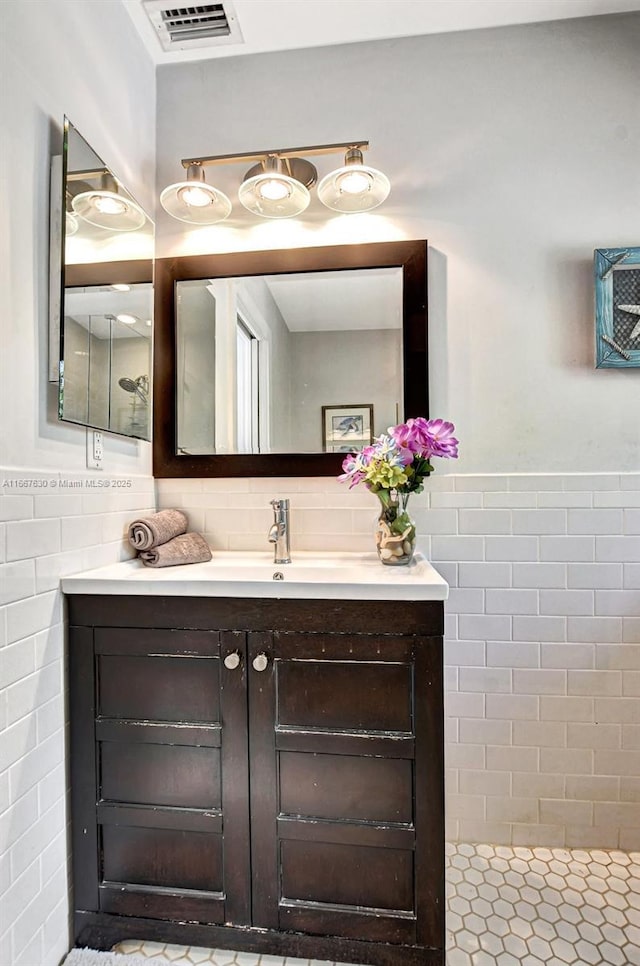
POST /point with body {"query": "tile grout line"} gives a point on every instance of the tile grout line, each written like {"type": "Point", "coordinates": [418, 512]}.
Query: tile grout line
{"type": "Point", "coordinates": [548, 906]}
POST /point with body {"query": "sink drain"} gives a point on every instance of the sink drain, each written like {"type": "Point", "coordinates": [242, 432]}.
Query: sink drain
{"type": "Point", "coordinates": [278, 575]}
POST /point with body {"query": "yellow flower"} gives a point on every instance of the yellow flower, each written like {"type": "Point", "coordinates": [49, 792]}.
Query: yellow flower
{"type": "Point", "coordinates": [382, 474]}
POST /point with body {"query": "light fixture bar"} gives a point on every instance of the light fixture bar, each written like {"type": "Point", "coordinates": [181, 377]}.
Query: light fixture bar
{"type": "Point", "coordinates": [314, 149]}
{"type": "Point", "coordinates": [86, 175]}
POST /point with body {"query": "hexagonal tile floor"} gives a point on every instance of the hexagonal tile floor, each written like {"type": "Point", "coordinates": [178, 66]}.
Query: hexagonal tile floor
{"type": "Point", "coordinates": [506, 907]}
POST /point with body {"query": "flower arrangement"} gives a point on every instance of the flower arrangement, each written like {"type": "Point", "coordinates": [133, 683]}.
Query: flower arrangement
{"type": "Point", "coordinates": [393, 467]}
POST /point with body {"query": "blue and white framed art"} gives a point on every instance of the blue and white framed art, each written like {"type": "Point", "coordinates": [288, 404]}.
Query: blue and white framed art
{"type": "Point", "coordinates": [617, 300]}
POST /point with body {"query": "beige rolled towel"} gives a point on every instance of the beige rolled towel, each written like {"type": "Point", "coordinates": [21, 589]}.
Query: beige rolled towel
{"type": "Point", "coordinates": [158, 528]}
{"type": "Point", "coordinates": [184, 549]}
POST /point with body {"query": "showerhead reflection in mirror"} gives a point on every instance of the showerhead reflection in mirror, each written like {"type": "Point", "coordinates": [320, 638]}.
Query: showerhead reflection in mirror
{"type": "Point", "coordinates": [139, 386]}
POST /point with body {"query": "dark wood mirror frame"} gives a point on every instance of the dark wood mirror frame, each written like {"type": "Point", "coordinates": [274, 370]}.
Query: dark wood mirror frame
{"type": "Point", "coordinates": [411, 256]}
{"type": "Point", "coordinates": [106, 273]}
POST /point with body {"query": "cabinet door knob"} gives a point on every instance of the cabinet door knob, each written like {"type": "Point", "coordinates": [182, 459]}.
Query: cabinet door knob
{"type": "Point", "coordinates": [232, 660]}
{"type": "Point", "coordinates": [260, 662]}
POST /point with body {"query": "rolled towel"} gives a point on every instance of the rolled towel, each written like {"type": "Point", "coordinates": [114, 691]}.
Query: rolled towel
{"type": "Point", "coordinates": [184, 549]}
{"type": "Point", "coordinates": [149, 532]}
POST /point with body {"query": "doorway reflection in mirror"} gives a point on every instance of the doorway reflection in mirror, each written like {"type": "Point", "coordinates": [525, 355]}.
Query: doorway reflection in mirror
{"type": "Point", "coordinates": [259, 358]}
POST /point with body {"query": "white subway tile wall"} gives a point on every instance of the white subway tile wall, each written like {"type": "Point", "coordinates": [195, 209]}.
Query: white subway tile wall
{"type": "Point", "coordinates": [46, 531]}
{"type": "Point", "coordinates": [542, 635]}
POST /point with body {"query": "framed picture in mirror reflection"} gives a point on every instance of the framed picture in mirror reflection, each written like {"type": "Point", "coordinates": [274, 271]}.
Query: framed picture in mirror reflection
{"type": "Point", "coordinates": [346, 427]}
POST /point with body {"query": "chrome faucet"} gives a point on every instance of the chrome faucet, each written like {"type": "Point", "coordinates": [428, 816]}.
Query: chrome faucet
{"type": "Point", "coordinates": [279, 531]}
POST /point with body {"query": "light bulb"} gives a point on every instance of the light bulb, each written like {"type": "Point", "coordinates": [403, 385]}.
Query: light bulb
{"type": "Point", "coordinates": [273, 189]}
{"type": "Point", "coordinates": [108, 205]}
{"type": "Point", "coordinates": [355, 182]}
{"type": "Point", "coordinates": [195, 196]}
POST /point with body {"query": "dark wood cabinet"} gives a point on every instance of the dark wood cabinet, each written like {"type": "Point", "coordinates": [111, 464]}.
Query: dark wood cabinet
{"type": "Point", "coordinates": [260, 775]}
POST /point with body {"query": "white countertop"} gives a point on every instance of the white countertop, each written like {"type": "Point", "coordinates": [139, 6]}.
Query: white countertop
{"type": "Point", "coordinates": [311, 575]}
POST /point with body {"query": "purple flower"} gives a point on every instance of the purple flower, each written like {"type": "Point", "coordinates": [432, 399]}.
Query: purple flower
{"type": "Point", "coordinates": [353, 470]}
{"type": "Point", "coordinates": [427, 438]}
{"type": "Point", "coordinates": [412, 435]}
{"type": "Point", "coordinates": [443, 442]}
{"type": "Point", "coordinates": [366, 455]}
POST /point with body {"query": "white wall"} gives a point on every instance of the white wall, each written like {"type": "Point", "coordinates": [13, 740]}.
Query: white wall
{"type": "Point", "coordinates": [515, 152]}
{"type": "Point", "coordinates": [82, 59]}
{"type": "Point", "coordinates": [197, 322]}
{"type": "Point", "coordinates": [336, 368]}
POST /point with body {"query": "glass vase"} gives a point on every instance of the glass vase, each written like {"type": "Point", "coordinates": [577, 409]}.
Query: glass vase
{"type": "Point", "coordinates": [395, 530]}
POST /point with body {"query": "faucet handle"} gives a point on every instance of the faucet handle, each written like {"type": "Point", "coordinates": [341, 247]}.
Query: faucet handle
{"type": "Point", "coordinates": [280, 503]}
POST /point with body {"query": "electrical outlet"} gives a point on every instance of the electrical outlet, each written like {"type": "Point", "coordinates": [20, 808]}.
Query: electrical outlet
{"type": "Point", "coordinates": [95, 450]}
{"type": "Point", "coordinates": [98, 451]}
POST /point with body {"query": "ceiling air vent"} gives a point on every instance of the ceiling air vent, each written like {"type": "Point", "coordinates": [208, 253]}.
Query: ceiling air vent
{"type": "Point", "coordinates": [200, 25]}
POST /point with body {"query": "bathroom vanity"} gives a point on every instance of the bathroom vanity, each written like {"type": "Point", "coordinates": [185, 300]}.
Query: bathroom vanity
{"type": "Point", "coordinates": [257, 763]}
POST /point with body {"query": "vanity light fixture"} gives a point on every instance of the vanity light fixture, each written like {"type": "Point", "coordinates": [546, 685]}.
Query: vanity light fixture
{"type": "Point", "coordinates": [277, 185]}
{"type": "Point", "coordinates": [105, 206]}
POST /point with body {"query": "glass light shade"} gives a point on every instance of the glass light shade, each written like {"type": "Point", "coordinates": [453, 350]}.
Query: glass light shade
{"type": "Point", "coordinates": [274, 195]}
{"type": "Point", "coordinates": [70, 224]}
{"type": "Point", "coordinates": [354, 187]}
{"type": "Point", "coordinates": [195, 202]}
{"type": "Point", "coordinates": [108, 209]}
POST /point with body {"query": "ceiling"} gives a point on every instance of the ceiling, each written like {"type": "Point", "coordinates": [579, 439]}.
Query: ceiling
{"type": "Point", "coordinates": [334, 301]}
{"type": "Point", "coordinates": [271, 25]}
{"type": "Point", "coordinates": [94, 307]}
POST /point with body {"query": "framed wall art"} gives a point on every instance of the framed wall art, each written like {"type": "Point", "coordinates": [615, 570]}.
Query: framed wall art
{"type": "Point", "coordinates": [617, 305]}
{"type": "Point", "coordinates": [345, 428]}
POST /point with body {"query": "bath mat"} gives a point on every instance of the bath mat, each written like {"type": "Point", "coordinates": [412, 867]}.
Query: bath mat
{"type": "Point", "coordinates": [90, 957]}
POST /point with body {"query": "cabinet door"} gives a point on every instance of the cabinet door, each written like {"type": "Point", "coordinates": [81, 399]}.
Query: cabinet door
{"type": "Point", "coordinates": [346, 800]}
{"type": "Point", "coordinates": [170, 766]}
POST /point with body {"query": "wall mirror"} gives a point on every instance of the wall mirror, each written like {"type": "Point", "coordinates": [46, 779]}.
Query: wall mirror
{"type": "Point", "coordinates": [277, 363]}
{"type": "Point", "coordinates": [104, 312]}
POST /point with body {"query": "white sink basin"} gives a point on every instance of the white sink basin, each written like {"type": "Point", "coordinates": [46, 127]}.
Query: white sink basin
{"type": "Point", "coordinates": [332, 576]}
